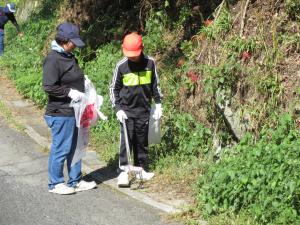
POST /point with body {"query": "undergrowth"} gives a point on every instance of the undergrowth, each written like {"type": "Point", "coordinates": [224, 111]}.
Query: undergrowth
{"type": "Point", "coordinates": [253, 182]}
{"type": "Point", "coordinates": [260, 177]}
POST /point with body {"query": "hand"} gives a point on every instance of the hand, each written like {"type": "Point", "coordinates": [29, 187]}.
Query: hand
{"type": "Point", "coordinates": [121, 115]}
{"type": "Point", "coordinates": [157, 112]}
{"type": "Point", "coordinates": [99, 101]}
{"type": "Point", "coordinates": [101, 115]}
{"type": "Point", "coordinates": [87, 81]}
{"type": "Point", "coordinates": [75, 95]}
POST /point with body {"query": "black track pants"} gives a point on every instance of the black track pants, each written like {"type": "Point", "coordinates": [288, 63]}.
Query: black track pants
{"type": "Point", "coordinates": [137, 131]}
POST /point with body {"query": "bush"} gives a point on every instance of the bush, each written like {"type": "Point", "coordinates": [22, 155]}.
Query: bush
{"type": "Point", "coordinates": [100, 71]}
{"type": "Point", "coordinates": [261, 177]}
{"type": "Point", "coordinates": [155, 28]}
{"type": "Point", "coordinates": [293, 8]}
{"type": "Point", "coordinates": [220, 26]}
{"type": "Point", "coordinates": [23, 56]}
{"type": "Point", "coordinates": [185, 136]}
{"type": "Point", "coordinates": [31, 87]}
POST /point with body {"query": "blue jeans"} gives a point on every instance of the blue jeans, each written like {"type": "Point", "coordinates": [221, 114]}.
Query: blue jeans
{"type": "Point", "coordinates": [64, 139]}
{"type": "Point", "coordinates": [1, 42]}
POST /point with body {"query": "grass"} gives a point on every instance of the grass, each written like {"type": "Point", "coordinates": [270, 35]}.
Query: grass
{"type": "Point", "coordinates": [6, 113]}
{"type": "Point", "coordinates": [186, 150]}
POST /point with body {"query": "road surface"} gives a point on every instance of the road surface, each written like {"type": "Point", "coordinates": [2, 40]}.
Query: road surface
{"type": "Point", "coordinates": [25, 200]}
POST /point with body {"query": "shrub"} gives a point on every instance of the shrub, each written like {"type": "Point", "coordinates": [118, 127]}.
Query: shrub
{"type": "Point", "coordinates": [293, 8]}
{"type": "Point", "coordinates": [31, 87]}
{"type": "Point", "coordinates": [219, 26]}
{"type": "Point", "coordinates": [261, 177]}
{"type": "Point", "coordinates": [100, 71]}
{"type": "Point", "coordinates": [155, 28]}
{"type": "Point", "coordinates": [184, 136]}
{"type": "Point", "coordinates": [23, 56]}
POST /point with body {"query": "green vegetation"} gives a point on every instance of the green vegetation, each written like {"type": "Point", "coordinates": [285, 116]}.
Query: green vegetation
{"type": "Point", "coordinates": [221, 25]}
{"type": "Point", "coordinates": [293, 8]}
{"type": "Point", "coordinates": [259, 176]}
{"type": "Point", "coordinates": [254, 180]}
{"type": "Point", "coordinates": [100, 71]}
{"type": "Point", "coordinates": [6, 113]}
{"type": "Point", "coordinates": [24, 56]}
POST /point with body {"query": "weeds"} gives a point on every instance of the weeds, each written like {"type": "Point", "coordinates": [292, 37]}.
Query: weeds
{"type": "Point", "coordinates": [218, 27]}
{"type": "Point", "coordinates": [260, 177]}
{"type": "Point", "coordinates": [6, 113]}
{"type": "Point", "coordinates": [293, 8]}
{"type": "Point", "coordinates": [188, 137]}
{"type": "Point", "coordinates": [155, 27]}
{"type": "Point", "coordinates": [255, 180]}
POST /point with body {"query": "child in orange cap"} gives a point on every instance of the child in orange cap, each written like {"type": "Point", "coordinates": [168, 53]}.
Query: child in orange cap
{"type": "Point", "coordinates": [134, 86]}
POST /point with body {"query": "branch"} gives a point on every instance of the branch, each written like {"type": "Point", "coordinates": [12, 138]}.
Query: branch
{"type": "Point", "coordinates": [243, 18]}
{"type": "Point", "coordinates": [220, 8]}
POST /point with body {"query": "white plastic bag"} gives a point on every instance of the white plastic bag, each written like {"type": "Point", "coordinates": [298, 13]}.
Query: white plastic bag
{"type": "Point", "coordinates": [154, 134]}
{"type": "Point", "coordinates": [87, 114]}
{"type": "Point", "coordinates": [90, 103]}
{"type": "Point", "coordinates": [82, 143]}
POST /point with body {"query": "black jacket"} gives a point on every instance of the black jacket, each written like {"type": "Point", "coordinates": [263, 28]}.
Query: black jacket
{"type": "Point", "coordinates": [5, 17]}
{"type": "Point", "coordinates": [60, 73]}
{"type": "Point", "coordinates": [134, 85]}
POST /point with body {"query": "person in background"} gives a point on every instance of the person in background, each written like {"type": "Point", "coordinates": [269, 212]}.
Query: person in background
{"type": "Point", "coordinates": [135, 83]}
{"type": "Point", "coordinates": [6, 14]}
{"type": "Point", "coordinates": [63, 81]}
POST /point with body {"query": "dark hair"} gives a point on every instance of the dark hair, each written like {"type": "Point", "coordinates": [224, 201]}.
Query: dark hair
{"type": "Point", "coordinates": [60, 40]}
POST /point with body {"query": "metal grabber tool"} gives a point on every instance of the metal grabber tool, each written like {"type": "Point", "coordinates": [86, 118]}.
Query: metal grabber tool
{"type": "Point", "coordinates": [129, 168]}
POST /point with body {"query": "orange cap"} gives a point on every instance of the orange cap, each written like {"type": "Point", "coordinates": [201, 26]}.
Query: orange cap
{"type": "Point", "coordinates": [132, 45]}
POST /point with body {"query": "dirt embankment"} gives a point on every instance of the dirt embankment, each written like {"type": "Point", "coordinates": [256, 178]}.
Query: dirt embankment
{"type": "Point", "coordinates": [270, 72]}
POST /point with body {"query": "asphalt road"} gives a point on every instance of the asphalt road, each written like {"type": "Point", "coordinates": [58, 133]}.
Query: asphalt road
{"type": "Point", "coordinates": [25, 200]}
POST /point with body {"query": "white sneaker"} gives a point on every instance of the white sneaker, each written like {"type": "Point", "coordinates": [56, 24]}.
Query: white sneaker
{"type": "Point", "coordinates": [62, 189]}
{"type": "Point", "coordinates": [84, 186]}
{"type": "Point", "coordinates": [123, 180]}
{"type": "Point", "coordinates": [144, 175]}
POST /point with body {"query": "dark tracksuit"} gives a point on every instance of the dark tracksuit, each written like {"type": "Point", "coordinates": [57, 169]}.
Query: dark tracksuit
{"type": "Point", "coordinates": [132, 89]}
{"type": "Point", "coordinates": [4, 18]}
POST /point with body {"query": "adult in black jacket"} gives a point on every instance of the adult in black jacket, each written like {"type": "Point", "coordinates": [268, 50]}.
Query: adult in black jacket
{"type": "Point", "coordinates": [63, 81]}
{"type": "Point", "coordinates": [134, 85]}
{"type": "Point", "coordinates": [6, 14]}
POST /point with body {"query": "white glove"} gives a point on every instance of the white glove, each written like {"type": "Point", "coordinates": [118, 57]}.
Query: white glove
{"type": "Point", "coordinates": [86, 78]}
{"type": "Point", "coordinates": [157, 112]}
{"type": "Point", "coordinates": [121, 115]}
{"type": "Point", "coordinates": [101, 115]}
{"type": "Point", "coordinates": [99, 102]}
{"type": "Point", "coordinates": [87, 81]}
{"type": "Point", "coordinates": [75, 95]}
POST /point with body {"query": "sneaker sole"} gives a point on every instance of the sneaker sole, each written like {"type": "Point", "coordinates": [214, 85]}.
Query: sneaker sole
{"type": "Point", "coordinates": [59, 193]}
{"type": "Point", "coordinates": [85, 189]}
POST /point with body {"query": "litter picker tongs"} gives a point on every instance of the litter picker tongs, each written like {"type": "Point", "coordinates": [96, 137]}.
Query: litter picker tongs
{"type": "Point", "coordinates": [129, 168]}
